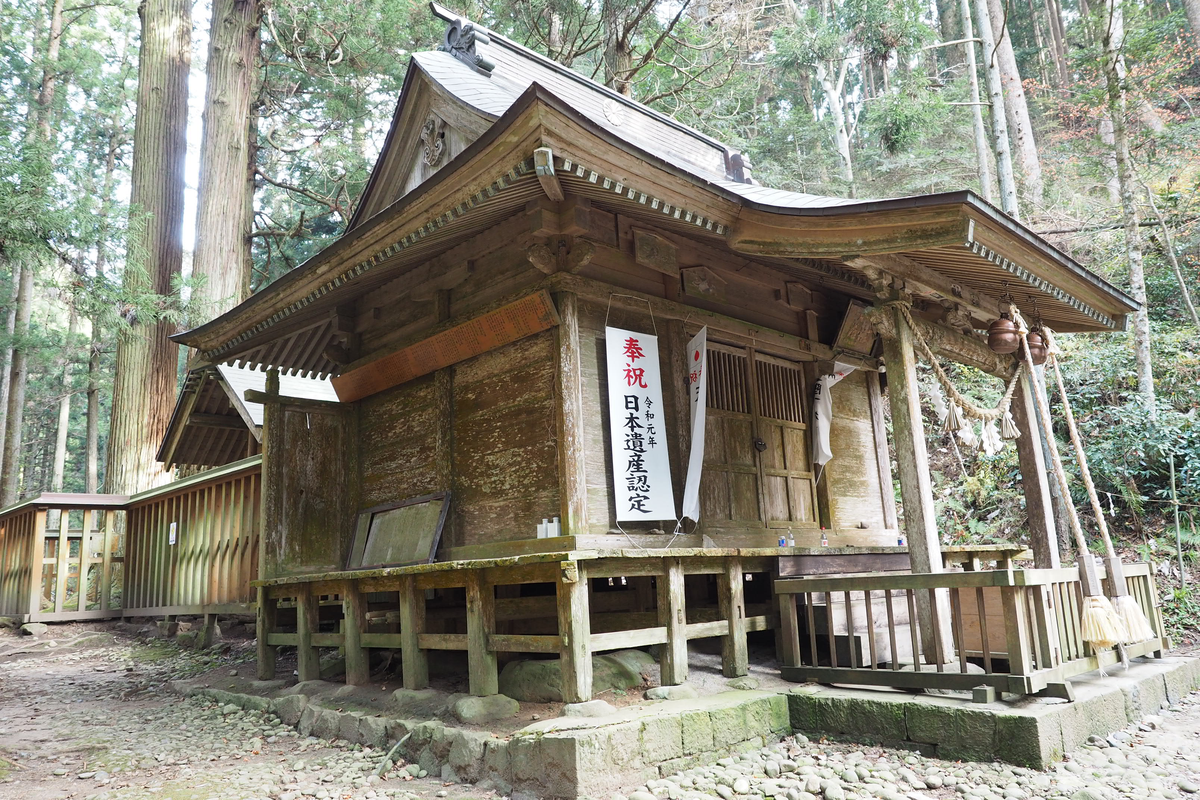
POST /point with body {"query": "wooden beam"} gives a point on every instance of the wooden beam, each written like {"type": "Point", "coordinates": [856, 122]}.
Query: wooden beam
{"type": "Point", "coordinates": [912, 462]}
{"type": "Point", "coordinates": [575, 629]}
{"type": "Point", "coordinates": [672, 614]}
{"type": "Point", "coordinates": [735, 660]}
{"type": "Point", "coordinates": [920, 279]}
{"type": "Point", "coordinates": [572, 470]}
{"type": "Point", "coordinates": [414, 660]}
{"type": "Point", "coordinates": [543, 165]}
{"type": "Point", "coordinates": [481, 623]}
{"type": "Point", "coordinates": [354, 624]}
{"type": "Point", "coordinates": [198, 420]}
{"type": "Point", "coordinates": [1035, 480]}
{"type": "Point", "coordinates": [947, 343]}
{"type": "Point", "coordinates": [303, 403]}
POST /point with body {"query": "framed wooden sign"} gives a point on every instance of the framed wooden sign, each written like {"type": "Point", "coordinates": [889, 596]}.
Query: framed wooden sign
{"type": "Point", "coordinates": [856, 333]}
{"type": "Point", "coordinates": [397, 534]}
{"type": "Point", "coordinates": [525, 317]}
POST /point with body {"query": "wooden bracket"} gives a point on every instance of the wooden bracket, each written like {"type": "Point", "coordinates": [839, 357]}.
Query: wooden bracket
{"type": "Point", "coordinates": [543, 165]}
{"type": "Point", "coordinates": [570, 571]}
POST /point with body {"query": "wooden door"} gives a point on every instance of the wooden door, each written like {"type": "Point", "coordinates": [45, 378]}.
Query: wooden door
{"type": "Point", "coordinates": [756, 460]}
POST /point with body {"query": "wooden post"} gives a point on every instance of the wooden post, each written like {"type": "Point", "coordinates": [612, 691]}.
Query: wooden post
{"type": "Point", "coordinates": [354, 623]}
{"type": "Point", "coordinates": [64, 564]}
{"type": "Point", "coordinates": [481, 623]}
{"type": "Point", "coordinates": [677, 397]}
{"type": "Point", "coordinates": [37, 561]}
{"type": "Point", "coordinates": [265, 625]}
{"type": "Point", "coordinates": [883, 458]}
{"type": "Point", "coordinates": [916, 484]}
{"type": "Point", "coordinates": [789, 626]}
{"type": "Point", "coordinates": [1016, 630]}
{"type": "Point", "coordinates": [307, 615]}
{"type": "Point", "coordinates": [575, 632]}
{"type": "Point", "coordinates": [414, 660]}
{"type": "Point", "coordinates": [274, 462]}
{"type": "Point", "coordinates": [672, 614]}
{"type": "Point", "coordinates": [1039, 503]}
{"type": "Point", "coordinates": [735, 661]}
{"type": "Point", "coordinates": [572, 472]}
{"type": "Point", "coordinates": [208, 632]}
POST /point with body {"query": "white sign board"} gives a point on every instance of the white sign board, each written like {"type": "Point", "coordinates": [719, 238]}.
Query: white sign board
{"type": "Point", "coordinates": [823, 412]}
{"type": "Point", "coordinates": [641, 471]}
{"type": "Point", "coordinates": [697, 381]}
{"type": "Point", "coordinates": [172, 533]}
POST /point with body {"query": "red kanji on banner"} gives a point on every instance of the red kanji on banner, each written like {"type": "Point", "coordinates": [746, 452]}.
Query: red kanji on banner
{"type": "Point", "coordinates": [633, 349]}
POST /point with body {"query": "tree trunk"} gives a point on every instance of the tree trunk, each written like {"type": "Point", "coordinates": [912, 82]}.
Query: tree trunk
{"type": "Point", "coordinates": [841, 135]}
{"type": "Point", "coordinates": [92, 479]}
{"type": "Point", "coordinates": [1169, 247]}
{"type": "Point", "coordinates": [1192, 8]}
{"type": "Point", "coordinates": [223, 221]}
{"type": "Point", "coordinates": [10, 327]}
{"type": "Point", "coordinates": [1058, 48]}
{"type": "Point", "coordinates": [995, 90]}
{"type": "Point", "coordinates": [618, 56]}
{"type": "Point", "coordinates": [949, 24]}
{"type": "Point", "coordinates": [1108, 161]}
{"type": "Point", "coordinates": [1113, 38]}
{"type": "Point", "coordinates": [1016, 108]}
{"type": "Point", "coordinates": [10, 475]}
{"type": "Point", "coordinates": [981, 144]}
{"type": "Point", "coordinates": [147, 361]}
{"type": "Point", "coordinates": [64, 409]}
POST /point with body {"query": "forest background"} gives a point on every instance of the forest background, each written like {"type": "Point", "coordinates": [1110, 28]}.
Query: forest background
{"type": "Point", "coordinates": [124, 219]}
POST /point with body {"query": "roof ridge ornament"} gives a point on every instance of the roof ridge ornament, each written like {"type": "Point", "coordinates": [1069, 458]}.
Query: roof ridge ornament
{"type": "Point", "coordinates": [461, 38]}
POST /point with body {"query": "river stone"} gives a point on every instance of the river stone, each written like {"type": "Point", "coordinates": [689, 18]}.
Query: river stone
{"type": "Point", "coordinates": [592, 708]}
{"type": "Point", "coordinates": [541, 681]}
{"type": "Point", "coordinates": [35, 629]}
{"type": "Point", "coordinates": [417, 703]}
{"type": "Point", "coordinates": [478, 710]}
{"type": "Point", "coordinates": [680, 692]}
{"type": "Point", "coordinates": [744, 684]}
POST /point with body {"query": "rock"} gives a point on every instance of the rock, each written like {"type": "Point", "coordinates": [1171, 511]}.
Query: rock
{"type": "Point", "coordinates": [744, 684]}
{"type": "Point", "coordinates": [592, 708]}
{"type": "Point", "coordinates": [478, 710]}
{"type": "Point", "coordinates": [541, 681]}
{"type": "Point", "coordinates": [639, 795]}
{"type": "Point", "coordinates": [1087, 794]}
{"type": "Point", "coordinates": [1188, 786]}
{"type": "Point", "coordinates": [741, 786]}
{"type": "Point", "coordinates": [333, 668]}
{"type": "Point", "coordinates": [418, 703]}
{"type": "Point", "coordinates": [35, 629]}
{"type": "Point", "coordinates": [771, 768]}
{"type": "Point", "coordinates": [681, 692]}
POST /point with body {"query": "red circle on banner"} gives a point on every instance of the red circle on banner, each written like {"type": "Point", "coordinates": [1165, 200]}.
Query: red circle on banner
{"type": "Point", "coordinates": [696, 356]}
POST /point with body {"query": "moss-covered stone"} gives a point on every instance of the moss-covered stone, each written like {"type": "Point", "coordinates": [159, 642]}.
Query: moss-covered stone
{"type": "Point", "coordinates": [697, 732]}
{"type": "Point", "coordinates": [662, 739]}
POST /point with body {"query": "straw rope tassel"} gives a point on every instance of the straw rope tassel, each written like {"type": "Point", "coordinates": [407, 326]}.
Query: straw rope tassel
{"type": "Point", "coordinates": [1137, 627]}
{"type": "Point", "coordinates": [1099, 625]}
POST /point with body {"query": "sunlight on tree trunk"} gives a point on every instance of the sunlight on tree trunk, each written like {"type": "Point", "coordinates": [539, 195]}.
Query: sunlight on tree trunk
{"type": "Point", "coordinates": [10, 475]}
{"type": "Point", "coordinates": [982, 158]}
{"type": "Point", "coordinates": [1016, 108]}
{"type": "Point", "coordinates": [995, 89]}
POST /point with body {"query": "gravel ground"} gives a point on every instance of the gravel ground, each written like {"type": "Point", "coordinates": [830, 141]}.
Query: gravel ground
{"type": "Point", "coordinates": [90, 718]}
{"type": "Point", "coordinates": [1157, 758]}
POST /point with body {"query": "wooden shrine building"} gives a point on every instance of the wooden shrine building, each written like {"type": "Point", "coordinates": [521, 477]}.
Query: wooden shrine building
{"type": "Point", "coordinates": [516, 210]}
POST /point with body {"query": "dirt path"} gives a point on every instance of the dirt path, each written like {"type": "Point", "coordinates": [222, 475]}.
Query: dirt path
{"type": "Point", "coordinates": [90, 717]}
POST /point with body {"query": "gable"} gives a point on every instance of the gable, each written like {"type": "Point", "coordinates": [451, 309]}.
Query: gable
{"type": "Point", "coordinates": [431, 126]}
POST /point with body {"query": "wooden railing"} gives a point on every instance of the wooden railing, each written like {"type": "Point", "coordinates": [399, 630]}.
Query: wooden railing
{"type": "Point", "coordinates": [1014, 630]}
{"type": "Point", "coordinates": [190, 547]}
{"type": "Point", "coordinates": [193, 544]}
{"type": "Point", "coordinates": [62, 557]}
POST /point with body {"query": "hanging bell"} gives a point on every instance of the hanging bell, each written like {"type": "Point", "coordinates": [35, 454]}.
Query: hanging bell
{"type": "Point", "coordinates": [1008, 427]}
{"type": "Point", "coordinates": [1037, 347]}
{"type": "Point", "coordinates": [1003, 335]}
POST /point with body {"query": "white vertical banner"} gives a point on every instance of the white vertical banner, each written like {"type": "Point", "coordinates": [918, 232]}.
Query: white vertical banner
{"type": "Point", "coordinates": [823, 412]}
{"type": "Point", "coordinates": [697, 383]}
{"type": "Point", "coordinates": [641, 471]}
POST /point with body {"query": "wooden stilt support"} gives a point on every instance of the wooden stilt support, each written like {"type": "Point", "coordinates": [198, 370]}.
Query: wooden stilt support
{"type": "Point", "coordinates": [208, 632]}
{"type": "Point", "coordinates": [415, 662]}
{"type": "Point", "coordinates": [575, 631]}
{"type": "Point", "coordinates": [672, 614]}
{"type": "Point", "coordinates": [307, 615]}
{"type": "Point", "coordinates": [788, 639]}
{"type": "Point", "coordinates": [266, 616]}
{"type": "Point", "coordinates": [481, 623]}
{"type": "Point", "coordinates": [735, 661]}
{"type": "Point", "coordinates": [354, 623]}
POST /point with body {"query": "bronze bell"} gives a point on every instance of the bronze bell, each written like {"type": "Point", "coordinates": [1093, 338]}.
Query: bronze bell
{"type": "Point", "coordinates": [1037, 348]}
{"type": "Point", "coordinates": [1003, 336]}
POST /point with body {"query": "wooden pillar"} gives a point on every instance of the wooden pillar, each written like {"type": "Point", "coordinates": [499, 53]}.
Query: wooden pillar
{"type": "Point", "coordinates": [354, 624]}
{"type": "Point", "coordinates": [37, 561]}
{"type": "Point", "coordinates": [414, 660]}
{"type": "Point", "coordinates": [572, 472]}
{"type": "Point", "coordinates": [208, 632]}
{"type": "Point", "coordinates": [1039, 503]}
{"type": "Point", "coordinates": [735, 661]}
{"type": "Point", "coordinates": [307, 615]}
{"type": "Point", "coordinates": [264, 627]}
{"type": "Point", "coordinates": [677, 397]}
{"type": "Point", "coordinates": [883, 457]}
{"type": "Point", "coordinates": [916, 483]}
{"type": "Point", "coordinates": [575, 633]}
{"type": "Point", "coordinates": [672, 615]}
{"type": "Point", "coordinates": [788, 640]}
{"type": "Point", "coordinates": [481, 624]}
{"type": "Point", "coordinates": [274, 461]}
{"type": "Point", "coordinates": [63, 554]}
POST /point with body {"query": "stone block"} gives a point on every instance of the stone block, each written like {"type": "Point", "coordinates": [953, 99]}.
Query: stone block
{"type": "Point", "coordinates": [467, 750]}
{"type": "Point", "coordinates": [397, 729]}
{"type": "Point", "coordinates": [496, 765]}
{"type": "Point", "coordinates": [697, 732]}
{"type": "Point", "coordinates": [289, 708]}
{"type": "Point", "coordinates": [1033, 738]}
{"type": "Point", "coordinates": [544, 766]}
{"type": "Point", "coordinates": [728, 724]}
{"type": "Point", "coordinates": [781, 724]}
{"type": "Point", "coordinates": [662, 739]}
{"type": "Point", "coordinates": [373, 731]}
{"type": "Point", "coordinates": [308, 716]}
{"type": "Point", "coordinates": [1144, 694]}
{"type": "Point", "coordinates": [861, 713]}
{"type": "Point", "coordinates": [252, 702]}
{"type": "Point", "coordinates": [348, 725]}
{"type": "Point", "coordinates": [326, 724]}
{"type": "Point", "coordinates": [1099, 709]}
{"type": "Point", "coordinates": [417, 703]}
{"type": "Point", "coordinates": [1182, 677]}
{"type": "Point", "coordinates": [479, 710]}
{"type": "Point", "coordinates": [928, 721]}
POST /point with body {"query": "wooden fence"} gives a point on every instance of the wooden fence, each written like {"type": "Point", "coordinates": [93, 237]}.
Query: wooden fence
{"type": "Point", "coordinates": [190, 547]}
{"type": "Point", "coordinates": [1016, 630]}
{"type": "Point", "coordinates": [193, 544]}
